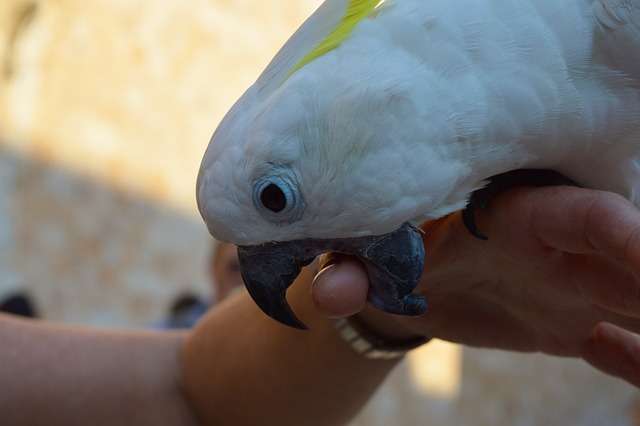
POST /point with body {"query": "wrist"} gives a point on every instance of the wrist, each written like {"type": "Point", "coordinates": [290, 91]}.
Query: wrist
{"type": "Point", "coordinates": [377, 335]}
{"type": "Point", "coordinates": [384, 325]}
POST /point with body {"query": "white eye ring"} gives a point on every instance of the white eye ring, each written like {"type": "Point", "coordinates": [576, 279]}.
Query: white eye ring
{"type": "Point", "coordinates": [277, 198]}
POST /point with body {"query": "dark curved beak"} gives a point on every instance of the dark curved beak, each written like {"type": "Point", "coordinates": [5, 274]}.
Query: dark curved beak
{"type": "Point", "coordinates": [394, 264]}
{"type": "Point", "coordinates": [268, 270]}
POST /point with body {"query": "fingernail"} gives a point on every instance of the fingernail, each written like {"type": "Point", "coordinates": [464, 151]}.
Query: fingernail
{"type": "Point", "coordinates": [328, 259]}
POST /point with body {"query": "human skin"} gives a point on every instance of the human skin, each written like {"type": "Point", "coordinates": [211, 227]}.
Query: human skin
{"type": "Point", "coordinates": [559, 275]}
{"type": "Point", "coordinates": [225, 271]}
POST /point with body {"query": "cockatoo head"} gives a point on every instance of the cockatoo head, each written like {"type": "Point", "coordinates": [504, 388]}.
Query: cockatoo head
{"type": "Point", "coordinates": [318, 156]}
{"type": "Point", "coordinates": [309, 170]}
{"type": "Point", "coordinates": [308, 162]}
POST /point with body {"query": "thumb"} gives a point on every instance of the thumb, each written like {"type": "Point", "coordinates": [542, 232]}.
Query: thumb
{"type": "Point", "coordinates": [614, 351]}
{"type": "Point", "coordinates": [340, 288]}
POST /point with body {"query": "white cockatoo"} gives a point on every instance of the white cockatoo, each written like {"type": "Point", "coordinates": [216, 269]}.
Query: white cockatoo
{"type": "Point", "coordinates": [378, 115]}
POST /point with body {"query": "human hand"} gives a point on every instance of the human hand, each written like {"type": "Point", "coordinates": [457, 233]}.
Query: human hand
{"type": "Point", "coordinates": [559, 274]}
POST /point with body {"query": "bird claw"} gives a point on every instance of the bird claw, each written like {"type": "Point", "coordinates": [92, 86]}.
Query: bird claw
{"type": "Point", "coordinates": [480, 198]}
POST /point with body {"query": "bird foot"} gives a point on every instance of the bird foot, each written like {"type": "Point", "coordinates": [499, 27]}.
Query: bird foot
{"type": "Point", "coordinates": [480, 198]}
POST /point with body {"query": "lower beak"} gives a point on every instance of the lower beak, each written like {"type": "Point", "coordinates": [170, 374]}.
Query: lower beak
{"type": "Point", "coordinates": [394, 264]}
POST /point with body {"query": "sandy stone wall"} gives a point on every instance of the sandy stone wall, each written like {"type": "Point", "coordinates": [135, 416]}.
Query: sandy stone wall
{"type": "Point", "coordinates": [106, 107]}
{"type": "Point", "coordinates": [129, 92]}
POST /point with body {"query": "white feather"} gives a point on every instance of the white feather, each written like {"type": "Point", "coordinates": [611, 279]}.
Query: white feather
{"type": "Point", "coordinates": [424, 101]}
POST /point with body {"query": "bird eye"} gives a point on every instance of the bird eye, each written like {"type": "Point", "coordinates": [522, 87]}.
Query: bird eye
{"type": "Point", "coordinates": [278, 198]}
{"type": "Point", "coordinates": [273, 198]}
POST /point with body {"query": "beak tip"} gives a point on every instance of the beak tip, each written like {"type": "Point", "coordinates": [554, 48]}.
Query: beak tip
{"type": "Point", "coordinates": [299, 325]}
{"type": "Point", "coordinates": [286, 316]}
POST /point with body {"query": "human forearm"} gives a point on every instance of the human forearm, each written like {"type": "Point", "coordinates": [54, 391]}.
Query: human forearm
{"type": "Point", "coordinates": [65, 375]}
{"type": "Point", "coordinates": [242, 367]}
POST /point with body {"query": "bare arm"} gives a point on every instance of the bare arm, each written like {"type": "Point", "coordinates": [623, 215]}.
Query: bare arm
{"type": "Point", "coordinates": [236, 367]}
{"type": "Point", "coordinates": [242, 367]}
{"type": "Point", "coordinates": [67, 375]}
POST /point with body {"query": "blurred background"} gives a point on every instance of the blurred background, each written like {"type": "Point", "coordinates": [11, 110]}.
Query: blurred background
{"type": "Point", "coordinates": [106, 107]}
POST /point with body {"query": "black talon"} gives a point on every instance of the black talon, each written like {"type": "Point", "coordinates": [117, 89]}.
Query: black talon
{"type": "Point", "coordinates": [480, 198]}
{"type": "Point", "coordinates": [469, 220]}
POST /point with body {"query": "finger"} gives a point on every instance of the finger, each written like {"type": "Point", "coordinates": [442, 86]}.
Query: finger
{"type": "Point", "coordinates": [586, 221]}
{"type": "Point", "coordinates": [579, 220]}
{"type": "Point", "coordinates": [614, 351]}
{"type": "Point", "coordinates": [625, 322]}
{"type": "Point", "coordinates": [608, 284]}
{"type": "Point", "coordinates": [340, 288]}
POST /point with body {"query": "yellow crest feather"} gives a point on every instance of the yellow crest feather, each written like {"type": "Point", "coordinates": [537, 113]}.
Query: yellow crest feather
{"type": "Point", "coordinates": [356, 12]}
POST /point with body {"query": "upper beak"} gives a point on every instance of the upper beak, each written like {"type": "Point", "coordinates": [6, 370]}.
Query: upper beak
{"type": "Point", "coordinates": [268, 270]}
{"type": "Point", "coordinates": [394, 264]}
